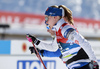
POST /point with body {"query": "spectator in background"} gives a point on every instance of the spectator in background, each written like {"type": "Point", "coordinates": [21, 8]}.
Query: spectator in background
{"type": "Point", "coordinates": [76, 52]}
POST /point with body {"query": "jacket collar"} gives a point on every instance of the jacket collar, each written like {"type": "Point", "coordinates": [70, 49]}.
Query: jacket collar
{"type": "Point", "coordinates": [58, 24]}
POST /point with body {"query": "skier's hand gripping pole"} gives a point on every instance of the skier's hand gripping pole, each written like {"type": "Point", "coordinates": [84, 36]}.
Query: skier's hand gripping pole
{"type": "Point", "coordinates": [30, 37]}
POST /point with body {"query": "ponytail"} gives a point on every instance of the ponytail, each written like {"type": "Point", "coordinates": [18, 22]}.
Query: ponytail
{"type": "Point", "coordinates": [67, 14]}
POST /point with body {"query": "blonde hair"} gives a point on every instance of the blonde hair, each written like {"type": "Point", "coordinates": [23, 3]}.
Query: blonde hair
{"type": "Point", "coordinates": [55, 6]}
{"type": "Point", "coordinates": [67, 14]}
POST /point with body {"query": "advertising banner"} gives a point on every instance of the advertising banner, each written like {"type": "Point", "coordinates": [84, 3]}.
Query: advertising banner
{"type": "Point", "coordinates": [15, 54]}
{"type": "Point", "coordinates": [35, 19]}
{"type": "Point", "coordinates": [29, 62]}
{"type": "Point", "coordinates": [24, 22]}
{"type": "Point", "coordinates": [5, 46]}
{"type": "Point", "coordinates": [20, 18]}
{"type": "Point", "coordinates": [21, 47]}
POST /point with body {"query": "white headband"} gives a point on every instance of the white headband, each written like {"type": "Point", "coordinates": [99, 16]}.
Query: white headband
{"type": "Point", "coordinates": [63, 11]}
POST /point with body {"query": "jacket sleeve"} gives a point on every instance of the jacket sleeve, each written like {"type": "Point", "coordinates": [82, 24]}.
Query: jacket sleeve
{"type": "Point", "coordinates": [53, 46]}
{"type": "Point", "coordinates": [46, 53]}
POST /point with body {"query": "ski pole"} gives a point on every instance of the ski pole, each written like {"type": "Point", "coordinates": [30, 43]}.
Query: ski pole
{"type": "Point", "coordinates": [38, 55]}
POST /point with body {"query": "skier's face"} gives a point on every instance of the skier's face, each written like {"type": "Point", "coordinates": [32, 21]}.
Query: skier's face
{"type": "Point", "coordinates": [50, 20]}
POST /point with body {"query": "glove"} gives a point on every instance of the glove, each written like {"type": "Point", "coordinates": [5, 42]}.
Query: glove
{"type": "Point", "coordinates": [33, 50]}
{"type": "Point", "coordinates": [95, 65]}
{"type": "Point", "coordinates": [31, 38]}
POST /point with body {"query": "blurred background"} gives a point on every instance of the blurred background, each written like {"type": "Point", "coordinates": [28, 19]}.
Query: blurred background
{"type": "Point", "coordinates": [19, 17]}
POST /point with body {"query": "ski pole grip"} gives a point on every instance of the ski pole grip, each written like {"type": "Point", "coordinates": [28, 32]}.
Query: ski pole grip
{"type": "Point", "coordinates": [28, 35]}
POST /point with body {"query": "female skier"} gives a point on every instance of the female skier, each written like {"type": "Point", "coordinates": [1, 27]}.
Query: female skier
{"type": "Point", "coordinates": [75, 50]}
